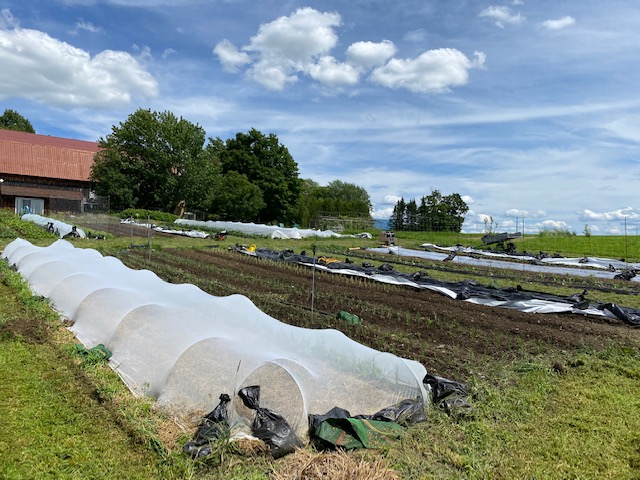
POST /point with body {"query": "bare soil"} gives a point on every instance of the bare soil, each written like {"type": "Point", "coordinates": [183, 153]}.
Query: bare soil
{"type": "Point", "coordinates": [452, 338]}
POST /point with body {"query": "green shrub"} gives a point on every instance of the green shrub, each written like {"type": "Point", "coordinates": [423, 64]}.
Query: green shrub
{"type": "Point", "coordinates": [555, 232]}
{"type": "Point", "coordinates": [140, 214]}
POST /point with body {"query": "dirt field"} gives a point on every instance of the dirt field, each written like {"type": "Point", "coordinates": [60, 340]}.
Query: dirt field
{"type": "Point", "coordinates": [451, 338]}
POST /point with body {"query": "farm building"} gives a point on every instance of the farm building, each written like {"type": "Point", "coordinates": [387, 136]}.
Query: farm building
{"type": "Point", "coordinates": [40, 173]}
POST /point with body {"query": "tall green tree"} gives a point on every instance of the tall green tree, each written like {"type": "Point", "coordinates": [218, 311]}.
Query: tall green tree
{"type": "Point", "coordinates": [155, 160]}
{"type": "Point", "coordinates": [267, 164]}
{"type": "Point", "coordinates": [337, 197]}
{"type": "Point", "coordinates": [396, 222]}
{"type": "Point", "coordinates": [355, 199]}
{"type": "Point", "coordinates": [12, 120]}
{"type": "Point", "coordinates": [411, 220]}
{"type": "Point", "coordinates": [308, 205]}
{"type": "Point", "coordinates": [436, 213]}
{"type": "Point", "coordinates": [457, 209]}
{"type": "Point", "coordinates": [237, 199]}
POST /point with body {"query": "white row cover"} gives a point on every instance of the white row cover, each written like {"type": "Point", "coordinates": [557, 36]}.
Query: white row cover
{"type": "Point", "coordinates": [185, 347]}
{"type": "Point", "coordinates": [157, 228]}
{"type": "Point", "coordinates": [267, 230]}
{"type": "Point", "coordinates": [61, 228]}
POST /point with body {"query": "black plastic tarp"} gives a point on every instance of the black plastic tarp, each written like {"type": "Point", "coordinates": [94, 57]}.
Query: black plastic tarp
{"type": "Point", "coordinates": [512, 297]}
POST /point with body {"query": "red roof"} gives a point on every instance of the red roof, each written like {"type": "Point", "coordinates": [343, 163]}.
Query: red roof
{"type": "Point", "coordinates": [36, 155]}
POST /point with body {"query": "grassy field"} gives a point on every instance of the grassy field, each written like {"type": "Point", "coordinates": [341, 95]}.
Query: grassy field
{"type": "Point", "coordinates": [610, 246]}
{"type": "Point", "coordinates": [566, 415]}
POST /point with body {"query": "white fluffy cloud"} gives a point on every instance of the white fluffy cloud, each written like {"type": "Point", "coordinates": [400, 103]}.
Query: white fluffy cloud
{"type": "Point", "coordinates": [559, 23]}
{"type": "Point", "coordinates": [46, 70]}
{"type": "Point", "coordinates": [554, 225]}
{"type": "Point", "coordinates": [367, 55]}
{"type": "Point", "coordinates": [433, 71]}
{"type": "Point", "coordinates": [292, 44]}
{"type": "Point", "coordinates": [301, 44]}
{"type": "Point", "coordinates": [230, 57]}
{"type": "Point", "coordinates": [620, 214]}
{"type": "Point", "coordinates": [501, 16]}
{"type": "Point", "coordinates": [331, 72]}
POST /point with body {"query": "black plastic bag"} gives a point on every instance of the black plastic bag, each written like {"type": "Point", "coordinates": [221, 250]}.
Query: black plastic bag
{"type": "Point", "coordinates": [268, 426]}
{"type": "Point", "coordinates": [449, 395]}
{"type": "Point", "coordinates": [212, 427]}
{"type": "Point", "coordinates": [336, 412]}
{"type": "Point", "coordinates": [407, 412]}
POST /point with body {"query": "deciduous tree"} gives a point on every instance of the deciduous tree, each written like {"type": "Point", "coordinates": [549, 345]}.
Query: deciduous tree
{"type": "Point", "coordinates": [267, 164]}
{"type": "Point", "coordinates": [154, 161]}
{"type": "Point", "coordinates": [12, 120]}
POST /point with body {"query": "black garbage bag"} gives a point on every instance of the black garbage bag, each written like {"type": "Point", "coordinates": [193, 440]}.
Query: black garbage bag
{"type": "Point", "coordinates": [336, 412]}
{"type": "Point", "coordinates": [212, 427]}
{"type": "Point", "coordinates": [451, 396]}
{"type": "Point", "coordinates": [407, 412]}
{"type": "Point", "coordinates": [268, 426]}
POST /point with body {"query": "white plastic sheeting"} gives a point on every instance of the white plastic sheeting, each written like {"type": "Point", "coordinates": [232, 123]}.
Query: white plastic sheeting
{"type": "Point", "coordinates": [185, 347]}
{"type": "Point", "coordinates": [267, 230]}
{"type": "Point", "coordinates": [61, 228]}
{"type": "Point", "coordinates": [550, 267]}
{"type": "Point", "coordinates": [157, 228]}
{"type": "Point", "coordinates": [580, 262]}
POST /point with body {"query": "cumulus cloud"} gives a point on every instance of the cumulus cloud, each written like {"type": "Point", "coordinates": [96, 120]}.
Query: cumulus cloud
{"type": "Point", "coordinates": [292, 44]}
{"type": "Point", "coordinates": [46, 70]}
{"type": "Point", "coordinates": [230, 57]}
{"type": "Point", "coordinates": [330, 72]}
{"type": "Point", "coordinates": [434, 71]}
{"type": "Point", "coordinates": [468, 199]}
{"type": "Point", "coordinates": [620, 214]}
{"type": "Point", "coordinates": [559, 23]}
{"type": "Point", "coordinates": [554, 225]}
{"type": "Point", "coordinates": [300, 45]}
{"type": "Point", "coordinates": [367, 55]}
{"type": "Point", "coordinates": [501, 16]}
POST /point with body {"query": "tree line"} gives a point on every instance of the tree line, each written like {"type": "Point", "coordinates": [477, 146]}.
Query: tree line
{"type": "Point", "coordinates": [155, 160]}
{"type": "Point", "coordinates": [435, 213]}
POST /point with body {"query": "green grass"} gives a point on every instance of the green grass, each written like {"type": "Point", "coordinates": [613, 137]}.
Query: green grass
{"type": "Point", "coordinates": [533, 422]}
{"type": "Point", "coordinates": [53, 425]}
{"type": "Point", "coordinates": [609, 246]}
{"type": "Point", "coordinates": [65, 418]}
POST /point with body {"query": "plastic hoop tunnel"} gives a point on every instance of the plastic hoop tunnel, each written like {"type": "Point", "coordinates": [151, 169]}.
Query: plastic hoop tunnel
{"type": "Point", "coordinates": [185, 347]}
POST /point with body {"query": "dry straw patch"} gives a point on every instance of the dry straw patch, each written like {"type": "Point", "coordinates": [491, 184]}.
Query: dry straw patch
{"type": "Point", "coordinates": [337, 465]}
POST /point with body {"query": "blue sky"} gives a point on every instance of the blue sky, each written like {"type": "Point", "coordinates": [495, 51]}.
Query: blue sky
{"type": "Point", "coordinates": [528, 109]}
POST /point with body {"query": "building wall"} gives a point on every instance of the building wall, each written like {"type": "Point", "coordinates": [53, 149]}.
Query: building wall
{"type": "Point", "coordinates": [58, 195]}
